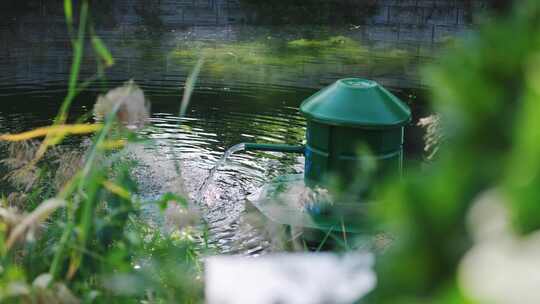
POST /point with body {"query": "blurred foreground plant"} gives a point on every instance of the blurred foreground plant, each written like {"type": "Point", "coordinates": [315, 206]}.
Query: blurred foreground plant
{"type": "Point", "coordinates": [84, 240]}
{"type": "Point", "coordinates": [70, 230]}
{"type": "Point", "coordinates": [487, 91]}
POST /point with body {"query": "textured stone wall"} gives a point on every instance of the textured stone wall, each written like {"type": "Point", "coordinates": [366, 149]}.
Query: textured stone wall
{"type": "Point", "coordinates": [419, 27]}
{"type": "Point", "coordinates": [392, 20]}
{"type": "Point", "coordinates": [423, 20]}
{"type": "Point", "coordinates": [431, 19]}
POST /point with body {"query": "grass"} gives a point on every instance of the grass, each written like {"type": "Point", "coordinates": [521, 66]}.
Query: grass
{"type": "Point", "coordinates": [76, 235]}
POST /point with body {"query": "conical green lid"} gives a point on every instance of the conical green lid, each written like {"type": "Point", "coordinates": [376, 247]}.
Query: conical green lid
{"type": "Point", "coordinates": [356, 102]}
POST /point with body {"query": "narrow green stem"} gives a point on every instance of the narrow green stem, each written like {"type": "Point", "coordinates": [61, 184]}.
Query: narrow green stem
{"type": "Point", "coordinates": [60, 252]}
{"type": "Point", "coordinates": [78, 51]}
{"type": "Point", "coordinates": [325, 239]}
{"type": "Point", "coordinates": [68, 229]}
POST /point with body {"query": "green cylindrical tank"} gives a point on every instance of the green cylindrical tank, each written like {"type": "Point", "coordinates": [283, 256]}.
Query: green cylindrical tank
{"type": "Point", "coordinates": [342, 117]}
{"type": "Point", "coordinates": [349, 113]}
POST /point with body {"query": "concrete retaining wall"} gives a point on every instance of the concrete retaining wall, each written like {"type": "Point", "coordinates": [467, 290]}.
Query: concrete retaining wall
{"type": "Point", "coordinates": [35, 48]}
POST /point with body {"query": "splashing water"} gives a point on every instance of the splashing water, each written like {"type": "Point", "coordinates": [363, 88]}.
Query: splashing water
{"type": "Point", "coordinates": [210, 178]}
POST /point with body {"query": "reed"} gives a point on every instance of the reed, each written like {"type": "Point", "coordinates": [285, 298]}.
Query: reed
{"type": "Point", "coordinates": [85, 204]}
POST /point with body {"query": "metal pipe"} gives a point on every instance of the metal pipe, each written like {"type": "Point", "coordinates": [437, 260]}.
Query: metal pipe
{"type": "Point", "coordinates": [274, 147]}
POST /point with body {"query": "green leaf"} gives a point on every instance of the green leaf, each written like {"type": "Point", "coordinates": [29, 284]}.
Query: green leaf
{"type": "Point", "coordinates": [102, 51]}
{"type": "Point", "coordinates": [68, 11]}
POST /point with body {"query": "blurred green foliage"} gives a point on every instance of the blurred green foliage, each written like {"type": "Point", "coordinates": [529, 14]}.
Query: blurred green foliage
{"type": "Point", "coordinates": [487, 90]}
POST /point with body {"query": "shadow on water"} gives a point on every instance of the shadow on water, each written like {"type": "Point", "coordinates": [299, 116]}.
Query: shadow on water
{"type": "Point", "coordinates": [249, 90]}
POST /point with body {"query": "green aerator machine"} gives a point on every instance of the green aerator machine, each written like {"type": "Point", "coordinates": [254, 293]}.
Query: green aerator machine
{"type": "Point", "coordinates": [350, 113]}
{"type": "Point", "coordinates": [341, 117]}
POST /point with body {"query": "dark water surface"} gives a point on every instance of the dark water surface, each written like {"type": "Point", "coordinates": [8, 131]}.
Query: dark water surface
{"type": "Point", "coordinates": [253, 80]}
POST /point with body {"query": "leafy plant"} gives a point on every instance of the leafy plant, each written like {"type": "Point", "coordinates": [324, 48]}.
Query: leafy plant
{"type": "Point", "coordinates": [81, 238]}
{"type": "Point", "coordinates": [486, 92]}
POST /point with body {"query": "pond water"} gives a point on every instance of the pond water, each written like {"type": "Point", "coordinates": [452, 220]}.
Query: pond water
{"type": "Point", "coordinates": [251, 84]}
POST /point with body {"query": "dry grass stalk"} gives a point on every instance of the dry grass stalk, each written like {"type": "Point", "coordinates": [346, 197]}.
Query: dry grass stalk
{"type": "Point", "coordinates": [17, 200]}
{"type": "Point", "coordinates": [69, 163]}
{"type": "Point", "coordinates": [9, 217]}
{"type": "Point", "coordinates": [433, 136]}
{"type": "Point", "coordinates": [190, 87]}
{"type": "Point", "coordinates": [23, 172]}
{"type": "Point", "coordinates": [42, 291]}
{"type": "Point", "coordinates": [28, 223]}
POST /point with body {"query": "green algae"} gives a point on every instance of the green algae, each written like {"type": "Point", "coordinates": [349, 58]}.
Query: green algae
{"type": "Point", "coordinates": [247, 56]}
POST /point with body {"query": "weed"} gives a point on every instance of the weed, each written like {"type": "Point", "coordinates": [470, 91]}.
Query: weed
{"type": "Point", "coordinates": [91, 246]}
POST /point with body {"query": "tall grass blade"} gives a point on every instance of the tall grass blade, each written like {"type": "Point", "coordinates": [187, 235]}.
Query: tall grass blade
{"type": "Point", "coordinates": [102, 51]}
{"type": "Point", "coordinates": [68, 13]}
{"type": "Point", "coordinates": [78, 50]}
{"type": "Point", "coordinates": [61, 250]}
{"type": "Point", "coordinates": [84, 226]}
{"type": "Point", "coordinates": [71, 186]}
{"type": "Point", "coordinates": [55, 130]}
{"type": "Point", "coordinates": [325, 239]}
{"type": "Point", "coordinates": [91, 180]}
{"type": "Point", "coordinates": [99, 142]}
{"type": "Point", "coordinates": [190, 86]}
